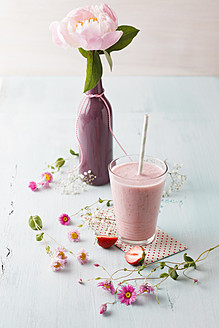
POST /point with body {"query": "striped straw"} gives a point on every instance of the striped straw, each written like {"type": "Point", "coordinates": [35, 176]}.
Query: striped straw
{"type": "Point", "coordinates": [143, 140]}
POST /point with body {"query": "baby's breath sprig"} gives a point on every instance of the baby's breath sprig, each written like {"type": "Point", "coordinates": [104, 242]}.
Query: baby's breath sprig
{"type": "Point", "coordinates": [175, 180]}
{"type": "Point", "coordinates": [71, 183]}
{"type": "Point", "coordinates": [125, 284]}
{"type": "Point", "coordinates": [89, 214]}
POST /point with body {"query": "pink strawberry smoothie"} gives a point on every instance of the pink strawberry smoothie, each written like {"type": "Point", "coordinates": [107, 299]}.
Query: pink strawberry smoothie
{"type": "Point", "coordinates": [137, 199]}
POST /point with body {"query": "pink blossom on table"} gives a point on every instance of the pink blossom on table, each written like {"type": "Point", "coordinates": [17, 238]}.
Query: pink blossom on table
{"type": "Point", "coordinates": [147, 287]}
{"type": "Point", "coordinates": [103, 308]}
{"type": "Point", "coordinates": [47, 176]}
{"type": "Point", "coordinates": [107, 285]}
{"type": "Point", "coordinates": [74, 235]}
{"type": "Point", "coordinates": [64, 219]}
{"type": "Point", "coordinates": [57, 264]}
{"type": "Point", "coordinates": [33, 185]}
{"type": "Point", "coordinates": [127, 294]}
{"type": "Point", "coordinates": [60, 254]}
{"type": "Point", "coordinates": [44, 183]}
{"type": "Point", "coordinates": [92, 28]}
{"type": "Point", "coordinates": [82, 256]}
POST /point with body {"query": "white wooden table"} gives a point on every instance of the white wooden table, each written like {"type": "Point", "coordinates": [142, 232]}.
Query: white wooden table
{"type": "Point", "coordinates": [37, 119]}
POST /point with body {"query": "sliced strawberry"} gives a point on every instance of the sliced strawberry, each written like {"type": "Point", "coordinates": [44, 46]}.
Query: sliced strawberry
{"type": "Point", "coordinates": [106, 241]}
{"type": "Point", "coordinates": [135, 256]}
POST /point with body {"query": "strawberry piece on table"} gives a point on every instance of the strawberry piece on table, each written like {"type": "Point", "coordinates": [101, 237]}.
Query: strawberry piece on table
{"type": "Point", "coordinates": [106, 241]}
{"type": "Point", "coordinates": [135, 256]}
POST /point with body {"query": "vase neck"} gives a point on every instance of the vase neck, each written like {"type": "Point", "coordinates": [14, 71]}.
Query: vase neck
{"type": "Point", "coordinates": [98, 89]}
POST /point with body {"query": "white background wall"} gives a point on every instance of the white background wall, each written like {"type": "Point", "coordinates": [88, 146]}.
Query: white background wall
{"type": "Point", "coordinates": [178, 37]}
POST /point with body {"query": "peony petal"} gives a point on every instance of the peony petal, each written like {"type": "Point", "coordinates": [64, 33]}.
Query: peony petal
{"type": "Point", "coordinates": [55, 35]}
{"type": "Point", "coordinates": [110, 39]}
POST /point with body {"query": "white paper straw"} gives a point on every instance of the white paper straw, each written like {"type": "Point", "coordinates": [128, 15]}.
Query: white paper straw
{"type": "Point", "coordinates": [143, 140]}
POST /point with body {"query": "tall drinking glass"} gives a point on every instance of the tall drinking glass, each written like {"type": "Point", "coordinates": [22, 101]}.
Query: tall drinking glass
{"type": "Point", "coordinates": [137, 198]}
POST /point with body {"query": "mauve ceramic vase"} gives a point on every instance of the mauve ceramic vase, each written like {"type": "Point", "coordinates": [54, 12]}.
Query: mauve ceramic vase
{"type": "Point", "coordinates": [95, 137]}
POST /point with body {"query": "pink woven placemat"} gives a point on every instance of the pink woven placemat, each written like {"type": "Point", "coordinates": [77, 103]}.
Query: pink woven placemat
{"type": "Point", "coordinates": [164, 245]}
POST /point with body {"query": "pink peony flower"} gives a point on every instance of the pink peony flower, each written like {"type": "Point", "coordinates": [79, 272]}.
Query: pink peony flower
{"type": "Point", "coordinates": [147, 287]}
{"type": "Point", "coordinates": [107, 285]}
{"type": "Point", "coordinates": [33, 186]}
{"type": "Point", "coordinates": [57, 264]}
{"type": "Point", "coordinates": [91, 28]}
{"type": "Point", "coordinates": [47, 176]}
{"type": "Point", "coordinates": [127, 294]}
{"type": "Point", "coordinates": [61, 254]}
{"type": "Point", "coordinates": [74, 235]}
{"type": "Point", "coordinates": [103, 308]}
{"type": "Point", "coordinates": [64, 219]}
{"type": "Point", "coordinates": [82, 256]}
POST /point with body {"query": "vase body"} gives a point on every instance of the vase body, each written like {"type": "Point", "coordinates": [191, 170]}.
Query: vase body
{"type": "Point", "coordinates": [95, 137]}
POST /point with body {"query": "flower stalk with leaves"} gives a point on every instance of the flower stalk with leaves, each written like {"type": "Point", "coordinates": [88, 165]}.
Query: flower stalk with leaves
{"type": "Point", "coordinates": [75, 183]}
{"type": "Point", "coordinates": [121, 280]}
{"type": "Point", "coordinates": [59, 258]}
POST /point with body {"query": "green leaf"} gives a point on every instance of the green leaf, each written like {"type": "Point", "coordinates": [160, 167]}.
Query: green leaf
{"type": "Point", "coordinates": [94, 70]}
{"type": "Point", "coordinates": [129, 32]}
{"type": "Point", "coordinates": [47, 249]}
{"type": "Point", "coordinates": [163, 275]}
{"type": "Point", "coordinates": [98, 278]}
{"type": "Point", "coordinates": [52, 167]}
{"type": "Point", "coordinates": [39, 236]}
{"type": "Point", "coordinates": [74, 153]}
{"type": "Point", "coordinates": [35, 222]}
{"type": "Point", "coordinates": [188, 258]}
{"type": "Point", "coordinates": [190, 261]}
{"type": "Point", "coordinates": [162, 265]}
{"type": "Point", "coordinates": [80, 225]}
{"type": "Point", "coordinates": [125, 269]}
{"type": "Point", "coordinates": [186, 265]}
{"type": "Point", "coordinates": [109, 59]}
{"type": "Point", "coordinates": [108, 203]}
{"type": "Point", "coordinates": [83, 52]}
{"type": "Point", "coordinates": [59, 162]}
{"type": "Point", "coordinates": [100, 200]}
{"type": "Point", "coordinates": [174, 275]}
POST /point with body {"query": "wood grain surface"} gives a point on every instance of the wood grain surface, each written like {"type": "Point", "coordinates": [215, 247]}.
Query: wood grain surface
{"type": "Point", "coordinates": [37, 118]}
{"type": "Point", "coordinates": [177, 38]}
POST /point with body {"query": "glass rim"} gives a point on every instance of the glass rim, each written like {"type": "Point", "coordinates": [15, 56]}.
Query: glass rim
{"type": "Point", "coordinates": [146, 156]}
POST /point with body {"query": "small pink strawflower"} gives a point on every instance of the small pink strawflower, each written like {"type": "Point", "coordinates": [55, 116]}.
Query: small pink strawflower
{"type": "Point", "coordinates": [96, 265]}
{"type": "Point", "coordinates": [64, 219]}
{"type": "Point", "coordinates": [74, 235]}
{"type": "Point", "coordinates": [107, 285]}
{"type": "Point", "coordinates": [146, 288]}
{"type": "Point", "coordinates": [32, 185]}
{"type": "Point", "coordinates": [48, 176]}
{"type": "Point", "coordinates": [103, 308]}
{"type": "Point", "coordinates": [82, 256]}
{"type": "Point", "coordinates": [127, 294]}
{"type": "Point", "coordinates": [195, 280]}
{"type": "Point", "coordinates": [80, 281]}
{"type": "Point", "coordinates": [61, 254]}
{"type": "Point", "coordinates": [57, 264]}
